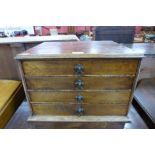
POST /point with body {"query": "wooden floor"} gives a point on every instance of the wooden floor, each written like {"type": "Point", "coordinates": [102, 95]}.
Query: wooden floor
{"type": "Point", "coordinates": [19, 121]}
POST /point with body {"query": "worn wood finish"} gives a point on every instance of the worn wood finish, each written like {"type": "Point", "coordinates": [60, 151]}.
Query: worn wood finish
{"type": "Point", "coordinates": [103, 97]}
{"type": "Point", "coordinates": [24, 85]}
{"type": "Point", "coordinates": [91, 67]}
{"type": "Point", "coordinates": [109, 76]}
{"type": "Point", "coordinates": [90, 83]}
{"type": "Point", "coordinates": [90, 109]}
{"type": "Point", "coordinates": [11, 96]}
{"type": "Point", "coordinates": [80, 49]}
{"type": "Point", "coordinates": [19, 121]}
{"type": "Point", "coordinates": [134, 84]}
{"type": "Point", "coordinates": [78, 119]}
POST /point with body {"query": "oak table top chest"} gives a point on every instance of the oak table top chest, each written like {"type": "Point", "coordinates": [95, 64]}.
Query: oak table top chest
{"type": "Point", "coordinates": [79, 81]}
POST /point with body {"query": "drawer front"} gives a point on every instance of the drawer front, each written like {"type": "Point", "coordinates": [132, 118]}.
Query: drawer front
{"type": "Point", "coordinates": [106, 97]}
{"type": "Point", "coordinates": [89, 109]}
{"type": "Point", "coordinates": [80, 83]}
{"type": "Point", "coordinates": [80, 67]}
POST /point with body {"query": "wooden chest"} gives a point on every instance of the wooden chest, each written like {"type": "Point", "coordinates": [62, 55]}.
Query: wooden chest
{"type": "Point", "coordinates": [79, 81]}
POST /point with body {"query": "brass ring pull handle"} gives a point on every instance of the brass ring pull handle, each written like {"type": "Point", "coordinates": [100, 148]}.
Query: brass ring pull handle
{"type": "Point", "coordinates": [79, 84]}
{"type": "Point", "coordinates": [79, 69]}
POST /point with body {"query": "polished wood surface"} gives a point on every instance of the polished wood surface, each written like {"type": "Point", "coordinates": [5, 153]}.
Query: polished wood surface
{"type": "Point", "coordinates": [11, 96]}
{"type": "Point", "coordinates": [58, 61]}
{"type": "Point", "coordinates": [90, 97]}
{"type": "Point", "coordinates": [89, 109]}
{"type": "Point", "coordinates": [91, 67]}
{"type": "Point", "coordinates": [79, 49]}
{"type": "Point", "coordinates": [94, 82]}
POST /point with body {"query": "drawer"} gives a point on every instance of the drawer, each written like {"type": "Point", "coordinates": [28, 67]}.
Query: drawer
{"type": "Point", "coordinates": [106, 97]}
{"type": "Point", "coordinates": [89, 109]}
{"type": "Point", "coordinates": [80, 83]}
{"type": "Point", "coordinates": [80, 67]}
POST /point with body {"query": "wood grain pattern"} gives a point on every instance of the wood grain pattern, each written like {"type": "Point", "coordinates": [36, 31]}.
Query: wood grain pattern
{"type": "Point", "coordinates": [90, 83]}
{"type": "Point", "coordinates": [90, 109]}
{"type": "Point", "coordinates": [48, 118]}
{"type": "Point", "coordinates": [134, 83]}
{"type": "Point", "coordinates": [111, 97]}
{"type": "Point", "coordinates": [91, 67]}
{"type": "Point", "coordinates": [80, 49]}
{"type": "Point", "coordinates": [23, 113]}
{"type": "Point", "coordinates": [108, 75]}
{"type": "Point", "coordinates": [24, 84]}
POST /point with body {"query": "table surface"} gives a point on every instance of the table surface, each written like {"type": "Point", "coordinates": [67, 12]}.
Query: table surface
{"type": "Point", "coordinates": [80, 49]}
{"type": "Point", "coordinates": [32, 39]}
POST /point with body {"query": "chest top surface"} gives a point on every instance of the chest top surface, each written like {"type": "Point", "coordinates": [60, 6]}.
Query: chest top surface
{"type": "Point", "coordinates": [79, 49]}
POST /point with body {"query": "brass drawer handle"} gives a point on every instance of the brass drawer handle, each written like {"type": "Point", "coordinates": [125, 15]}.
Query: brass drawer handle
{"type": "Point", "coordinates": [79, 69]}
{"type": "Point", "coordinates": [79, 84]}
